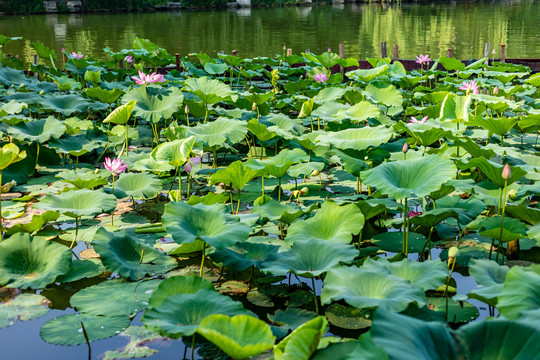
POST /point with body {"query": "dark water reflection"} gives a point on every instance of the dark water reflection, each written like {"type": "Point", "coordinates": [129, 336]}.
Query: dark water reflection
{"type": "Point", "coordinates": [417, 28]}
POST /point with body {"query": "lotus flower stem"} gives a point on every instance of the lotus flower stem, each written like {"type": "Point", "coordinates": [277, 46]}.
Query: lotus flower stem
{"type": "Point", "coordinates": [174, 178]}
{"type": "Point", "coordinates": [262, 186]}
{"type": "Point", "coordinates": [315, 296]}
{"type": "Point", "coordinates": [502, 220]}
{"type": "Point", "coordinates": [76, 232]}
{"type": "Point", "coordinates": [1, 217]}
{"type": "Point", "coordinates": [87, 340]}
{"type": "Point", "coordinates": [311, 121]}
{"type": "Point", "coordinates": [232, 203]}
{"type": "Point", "coordinates": [180, 185]}
{"type": "Point", "coordinates": [193, 347]}
{"type": "Point", "coordinates": [405, 229]}
{"type": "Point", "coordinates": [112, 213]}
{"type": "Point", "coordinates": [238, 206]}
{"type": "Point", "coordinates": [279, 190]}
{"type": "Point", "coordinates": [249, 146]}
{"type": "Point", "coordinates": [214, 160]}
{"type": "Point", "coordinates": [142, 255]}
{"type": "Point", "coordinates": [202, 259]}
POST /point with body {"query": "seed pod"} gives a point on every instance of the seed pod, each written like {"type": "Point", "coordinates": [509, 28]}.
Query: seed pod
{"type": "Point", "coordinates": [452, 255]}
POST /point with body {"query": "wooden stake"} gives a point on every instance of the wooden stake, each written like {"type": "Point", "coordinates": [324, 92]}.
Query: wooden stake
{"type": "Point", "coordinates": [487, 46]}
{"type": "Point", "coordinates": [449, 53]}
{"type": "Point", "coordinates": [342, 51]}
{"type": "Point", "coordinates": [383, 49]}
{"type": "Point", "coordinates": [396, 51]}
{"type": "Point", "coordinates": [234, 52]}
{"type": "Point", "coordinates": [177, 56]}
{"type": "Point", "coordinates": [121, 64]}
{"type": "Point", "coordinates": [503, 53]}
{"type": "Point", "coordinates": [289, 52]}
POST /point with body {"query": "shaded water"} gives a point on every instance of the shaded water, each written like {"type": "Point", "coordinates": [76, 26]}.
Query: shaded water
{"type": "Point", "coordinates": [417, 28]}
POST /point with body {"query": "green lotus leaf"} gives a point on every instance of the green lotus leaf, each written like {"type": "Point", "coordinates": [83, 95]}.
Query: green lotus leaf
{"type": "Point", "coordinates": [154, 103]}
{"type": "Point", "coordinates": [493, 171]}
{"type": "Point", "coordinates": [31, 262]}
{"type": "Point", "coordinates": [260, 131]}
{"type": "Point", "coordinates": [329, 94]}
{"type": "Point", "coordinates": [359, 112]}
{"type": "Point", "coordinates": [78, 203]}
{"type": "Point", "coordinates": [211, 224]}
{"type": "Point", "coordinates": [139, 185]}
{"type": "Point", "coordinates": [22, 308]}
{"type": "Point", "coordinates": [9, 77]}
{"type": "Point", "coordinates": [311, 257]}
{"type": "Point", "coordinates": [43, 51]}
{"type": "Point", "coordinates": [82, 269]}
{"type": "Point", "coordinates": [513, 229]}
{"type": "Point", "coordinates": [182, 314]}
{"type": "Point", "coordinates": [64, 104]}
{"type": "Point", "coordinates": [138, 337]}
{"type": "Point", "coordinates": [82, 178]}
{"type": "Point", "coordinates": [327, 111]}
{"type": "Point", "coordinates": [516, 340]}
{"type": "Point", "coordinates": [427, 275]}
{"type": "Point", "coordinates": [284, 126]}
{"type": "Point", "coordinates": [114, 298]}
{"type": "Point", "coordinates": [306, 110]}
{"type": "Point", "coordinates": [175, 153]}
{"type": "Point", "coordinates": [347, 317]}
{"type": "Point", "coordinates": [433, 217]}
{"type": "Point", "coordinates": [499, 126]}
{"type": "Point", "coordinates": [407, 338]}
{"type": "Point", "coordinates": [104, 95]}
{"type": "Point", "coordinates": [257, 98]}
{"type": "Point", "coordinates": [457, 312]}
{"type": "Point", "coordinates": [521, 291]}
{"type": "Point", "coordinates": [305, 169]}
{"type": "Point", "coordinates": [243, 255]}
{"type": "Point", "coordinates": [178, 285]}
{"type": "Point", "coordinates": [367, 75]}
{"type": "Point", "coordinates": [424, 134]}
{"type": "Point", "coordinates": [497, 103]}
{"type": "Point", "coordinates": [467, 209]}
{"type": "Point", "coordinates": [215, 69]}
{"type": "Point", "coordinates": [210, 91]}
{"type": "Point", "coordinates": [357, 138]}
{"type": "Point", "coordinates": [9, 154]}
{"type": "Point", "coordinates": [366, 289]}
{"type": "Point", "coordinates": [124, 255]}
{"type": "Point", "coordinates": [121, 114]}
{"type": "Point", "coordinates": [278, 165]}
{"type": "Point", "coordinates": [220, 131]}
{"type": "Point", "coordinates": [67, 329]}
{"type": "Point", "coordinates": [38, 130]}
{"type": "Point", "coordinates": [274, 210]}
{"type": "Point", "coordinates": [236, 175]}
{"type": "Point", "coordinates": [302, 342]}
{"type": "Point", "coordinates": [387, 95]}
{"type": "Point", "coordinates": [474, 149]}
{"type": "Point", "coordinates": [73, 145]}
{"type": "Point", "coordinates": [410, 178]}
{"type": "Point", "coordinates": [332, 222]}
{"type": "Point", "coordinates": [455, 108]}
{"type": "Point", "coordinates": [240, 336]}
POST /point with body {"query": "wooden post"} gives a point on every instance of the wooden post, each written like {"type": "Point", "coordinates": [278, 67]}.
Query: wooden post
{"type": "Point", "coordinates": [177, 56]}
{"type": "Point", "coordinates": [36, 59]}
{"type": "Point", "coordinates": [503, 53]}
{"type": "Point", "coordinates": [342, 51]}
{"type": "Point", "coordinates": [396, 51]}
{"type": "Point", "coordinates": [449, 53]}
{"type": "Point", "coordinates": [486, 52]}
{"type": "Point", "coordinates": [289, 52]}
{"type": "Point", "coordinates": [383, 49]}
{"type": "Point", "coordinates": [234, 52]}
{"type": "Point", "coordinates": [121, 63]}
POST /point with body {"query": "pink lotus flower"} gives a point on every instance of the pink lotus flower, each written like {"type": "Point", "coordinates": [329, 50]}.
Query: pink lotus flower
{"type": "Point", "coordinates": [415, 121]}
{"type": "Point", "coordinates": [321, 78]}
{"type": "Point", "coordinates": [506, 173]}
{"type": "Point", "coordinates": [405, 148]}
{"type": "Point", "coordinates": [193, 161]}
{"type": "Point", "coordinates": [422, 59]}
{"type": "Point", "coordinates": [469, 87]}
{"type": "Point", "coordinates": [148, 79]}
{"type": "Point", "coordinates": [116, 166]}
{"type": "Point", "coordinates": [414, 213]}
{"type": "Point", "coordinates": [129, 59]}
{"type": "Point", "coordinates": [495, 90]}
{"type": "Point", "coordinates": [77, 55]}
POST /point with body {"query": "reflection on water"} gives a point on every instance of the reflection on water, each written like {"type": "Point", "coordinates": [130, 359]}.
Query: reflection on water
{"type": "Point", "coordinates": [416, 28]}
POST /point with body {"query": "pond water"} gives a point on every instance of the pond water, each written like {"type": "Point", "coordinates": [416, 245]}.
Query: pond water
{"type": "Point", "coordinates": [417, 28]}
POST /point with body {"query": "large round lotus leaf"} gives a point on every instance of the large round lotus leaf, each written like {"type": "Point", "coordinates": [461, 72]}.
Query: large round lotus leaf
{"type": "Point", "coordinates": [467, 209]}
{"type": "Point", "coordinates": [38, 130]}
{"type": "Point", "coordinates": [178, 285]}
{"type": "Point", "coordinates": [64, 104]}
{"type": "Point", "coordinates": [512, 228]}
{"type": "Point", "coordinates": [128, 257]}
{"type": "Point", "coordinates": [387, 95]}
{"type": "Point", "coordinates": [332, 222]}
{"type": "Point", "coordinates": [211, 224]}
{"type": "Point", "coordinates": [360, 111]}
{"type": "Point", "coordinates": [302, 342]}
{"type": "Point", "coordinates": [393, 241]}
{"type": "Point", "coordinates": [78, 203]}
{"type": "Point", "coordinates": [181, 314]}
{"type": "Point", "coordinates": [23, 307]}
{"type": "Point", "coordinates": [410, 178]}
{"type": "Point", "coordinates": [82, 178]}
{"type": "Point", "coordinates": [274, 210]}
{"type": "Point", "coordinates": [357, 138]}
{"type": "Point", "coordinates": [236, 175]}
{"type": "Point", "coordinates": [366, 289]}
{"type": "Point", "coordinates": [521, 291]}
{"type": "Point", "coordinates": [154, 102]}
{"type": "Point", "coordinates": [515, 340]}
{"type": "Point", "coordinates": [73, 145]}
{"type": "Point", "coordinates": [175, 153]}
{"type": "Point", "coordinates": [210, 91]}
{"type": "Point", "coordinates": [104, 95]}
{"type": "Point", "coordinates": [114, 298]}
{"type": "Point", "coordinates": [427, 275]}
{"type": "Point", "coordinates": [139, 185]}
{"type": "Point", "coordinates": [278, 165]}
{"type": "Point", "coordinates": [219, 131]}
{"type": "Point", "coordinates": [67, 329]}
{"type": "Point", "coordinates": [407, 338]}
{"type": "Point", "coordinates": [240, 336]}
{"type": "Point", "coordinates": [32, 262]}
{"type": "Point", "coordinates": [243, 255]}
{"type": "Point", "coordinates": [493, 171]}
{"type": "Point", "coordinates": [309, 258]}
{"type": "Point", "coordinates": [290, 319]}
{"type": "Point", "coordinates": [424, 134]}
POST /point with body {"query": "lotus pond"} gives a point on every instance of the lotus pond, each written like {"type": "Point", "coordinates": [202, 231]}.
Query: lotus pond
{"type": "Point", "coordinates": [291, 207]}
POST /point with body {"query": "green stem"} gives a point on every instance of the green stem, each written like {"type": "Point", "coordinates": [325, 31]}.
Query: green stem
{"type": "Point", "coordinates": [37, 153]}
{"type": "Point", "coordinates": [112, 213]}
{"type": "Point", "coordinates": [238, 206]}
{"type": "Point", "coordinates": [502, 219]}
{"type": "Point", "coordinates": [1, 218]}
{"type": "Point", "coordinates": [142, 255]}
{"type": "Point", "coordinates": [315, 295]}
{"type": "Point", "coordinates": [174, 178]}
{"type": "Point", "coordinates": [180, 185]}
{"type": "Point", "coordinates": [405, 229]}
{"type": "Point", "coordinates": [279, 190]}
{"type": "Point", "coordinates": [76, 233]}
{"type": "Point", "coordinates": [202, 260]}
{"type": "Point", "coordinates": [262, 180]}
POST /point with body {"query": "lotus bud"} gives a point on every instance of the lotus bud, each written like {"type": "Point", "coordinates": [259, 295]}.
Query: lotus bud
{"type": "Point", "coordinates": [42, 92]}
{"type": "Point", "coordinates": [314, 173]}
{"type": "Point", "coordinates": [186, 109]}
{"type": "Point", "coordinates": [495, 90]}
{"type": "Point", "coordinates": [284, 47]}
{"type": "Point", "coordinates": [506, 173]}
{"type": "Point", "coordinates": [304, 191]}
{"type": "Point", "coordinates": [452, 255]}
{"type": "Point", "coordinates": [253, 107]}
{"type": "Point", "coordinates": [512, 194]}
{"type": "Point", "coordinates": [405, 148]}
